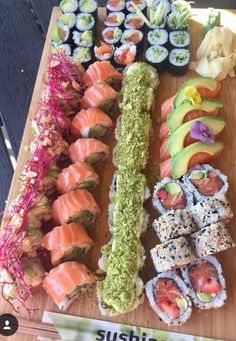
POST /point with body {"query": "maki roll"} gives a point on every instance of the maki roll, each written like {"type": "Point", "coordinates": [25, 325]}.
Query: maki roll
{"type": "Point", "coordinates": [34, 272]}
{"type": "Point", "coordinates": [179, 39]}
{"type": "Point", "coordinates": [65, 48]}
{"type": "Point", "coordinates": [140, 4]}
{"type": "Point", "coordinates": [83, 39]}
{"type": "Point", "coordinates": [171, 194]}
{"type": "Point", "coordinates": [67, 242]}
{"type": "Point", "coordinates": [78, 175]}
{"type": "Point", "coordinates": [89, 6]}
{"type": "Point", "coordinates": [89, 150]}
{"type": "Point", "coordinates": [67, 281]}
{"type": "Point", "coordinates": [206, 282]}
{"type": "Point", "coordinates": [133, 21]}
{"type": "Point", "coordinates": [174, 224]}
{"type": "Point", "coordinates": [178, 62]}
{"type": "Point", "coordinates": [104, 52]}
{"type": "Point", "coordinates": [134, 37]}
{"type": "Point", "coordinates": [211, 239]}
{"type": "Point", "coordinates": [32, 241]}
{"type": "Point", "coordinates": [75, 206]}
{"type": "Point", "coordinates": [157, 37]}
{"type": "Point", "coordinates": [112, 35]}
{"type": "Point", "coordinates": [90, 123]}
{"type": "Point", "coordinates": [60, 35]}
{"type": "Point", "coordinates": [180, 5]}
{"type": "Point", "coordinates": [168, 297]}
{"type": "Point", "coordinates": [124, 55]}
{"type": "Point", "coordinates": [172, 254]}
{"type": "Point", "coordinates": [115, 6]}
{"type": "Point", "coordinates": [69, 6]}
{"type": "Point", "coordinates": [85, 22]}
{"type": "Point", "coordinates": [157, 56]}
{"type": "Point", "coordinates": [205, 182]}
{"type": "Point", "coordinates": [83, 55]}
{"type": "Point", "coordinates": [115, 19]}
{"type": "Point", "coordinates": [67, 20]}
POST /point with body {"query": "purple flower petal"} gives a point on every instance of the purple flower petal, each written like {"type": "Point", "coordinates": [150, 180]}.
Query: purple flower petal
{"type": "Point", "coordinates": [200, 131]}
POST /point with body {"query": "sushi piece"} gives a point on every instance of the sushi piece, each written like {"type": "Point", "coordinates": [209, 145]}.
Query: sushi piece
{"type": "Point", "coordinates": [174, 224]}
{"type": "Point", "coordinates": [103, 71]}
{"type": "Point", "coordinates": [67, 20]}
{"type": "Point", "coordinates": [89, 6]}
{"type": "Point", "coordinates": [134, 37]}
{"type": "Point", "coordinates": [140, 4]}
{"type": "Point", "coordinates": [112, 35]}
{"type": "Point", "coordinates": [60, 35]}
{"type": "Point", "coordinates": [67, 282]}
{"type": "Point", "coordinates": [69, 6]}
{"type": "Point", "coordinates": [188, 157]}
{"type": "Point", "coordinates": [85, 22]}
{"type": "Point", "coordinates": [83, 39]}
{"type": "Point", "coordinates": [67, 242]}
{"type": "Point", "coordinates": [41, 209]}
{"type": "Point", "coordinates": [99, 95]}
{"type": "Point", "coordinates": [124, 55]}
{"type": "Point", "coordinates": [90, 123]}
{"type": "Point", "coordinates": [179, 39]}
{"type": "Point", "coordinates": [205, 182]}
{"type": "Point", "coordinates": [179, 20]}
{"type": "Point", "coordinates": [168, 296]}
{"type": "Point", "coordinates": [115, 19]}
{"type": "Point", "coordinates": [157, 57]}
{"type": "Point", "coordinates": [65, 48]}
{"type": "Point", "coordinates": [214, 210]}
{"type": "Point", "coordinates": [211, 239]}
{"type": "Point", "coordinates": [8, 286]}
{"type": "Point", "coordinates": [34, 272]}
{"type": "Point", "coordinates": [78, 175]}
{"type": "Point", "coordinates": [115, 6]}
{"type": "Point", "coordinates": [75, 206]}
{"type": "Point", "coordinates": [180, 5]}
{"type": "Point", "coordinates": [178, 62]}
{"type": "Point", "coordinates": [157, 37]}
{"type": "Point", "coordinates": [104, 52]}
{"type": "Point", "coordinates": [133, 21]}
{"type": "Point", "coordinates": [82, 55]}
{"type": "Point", "coordinates": [172, 254]}
{"type": "Point", "coordinates": [171, 195]}
{"type": "Point", "coordinates": [206, 282]}
{"type": "Point", "coordinates": [31, 241]}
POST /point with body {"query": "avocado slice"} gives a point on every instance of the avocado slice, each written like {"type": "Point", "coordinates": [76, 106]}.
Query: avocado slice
{"type": "Point", "coordinates": [205, 297]}
{"type": "Point", "coordinates": [72, 254]}
{"type": "Point", "coordinates": [89, 185]}
{"type": "Point", "coordinates": [52, 173]}
{"type": "Point", "coordinates": [199, 82]}
{"type": "Point", "coordinates": [98, 131]}
{"type": "Point", "coordinates": [173, 188]}
{"type": "Point", "coordinates": [66, 5]}
{"type": "Point", "coordinates": [40, 210]}
{"type": "Point", "coordinates": [182, 304]}
{"type": "Point", "coordinates": [180, 161]}
{"type": "Point", "coordinates": [198, 175]}
{"type": "Point", "coordinates": [84, 217]}
{"type": "Point", "coordinates": [58, 34]}
{"type": "Point", "coordinates": [176, 117]}
{"type": "Point", "coordinates": [176, 140]}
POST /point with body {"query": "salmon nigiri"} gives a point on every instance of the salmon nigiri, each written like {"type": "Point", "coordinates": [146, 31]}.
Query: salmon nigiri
{"type": "Point", "coordinates": [78, 175]}
{"type": "Point", "coordinates": [99, 95]}
{"type": "Point", "coordinates": [75, 206]}
{"type": "Point", "coordinates": [88, 149]}
{"type": "Point", "coordinates": [92, 122]}
{"type": "Point", "coordinates": [67, 281]}
{"type": "Point", "coordinates": [103, 71]}
{"type": "Point", "coordinates": [67, 242]}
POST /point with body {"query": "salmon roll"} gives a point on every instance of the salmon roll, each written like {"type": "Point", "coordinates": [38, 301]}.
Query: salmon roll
{"type": "Point", "coordinates": [99, 95]}
{"type": "Point", "coordinates": [78, 175]}
{"type": "Point", "coordinates": [91, 123]}
{"type": "Point", "coordinates": [67, 282]}
{"type": "Point", "coordinates": [89, 150]}
{"type": "Point", "coordinates": [67, 242]}
{"type": "Point", "coordinates": [75, 206]}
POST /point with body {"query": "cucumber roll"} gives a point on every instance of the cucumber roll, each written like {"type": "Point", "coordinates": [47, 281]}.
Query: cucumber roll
{"type": "Point", "coordinates": [133, 21]}
{"type": "Point", "coordinates": [178, 62]}
{"type": "Point", "coordinates": [206, 282]}
{"type": "Point", "coordinates": [85, 22]}
{"type": "Point", "coordinates": [205, 182]}
{"type": "Point", "coordinates": [168, 296]}
{"type": "Point", "coordinates": [66, 48]}
{"type": "Point", "coordinates": [115, 19]}
{"type": "Point", "coordinates": [112, 35]}
{"type": "Point", "coordinates": [83, 55]}
{"type": "Point", "coordinates": [140, 4]}
{"type": "Point", "coordinates": [104, 52]}
{"type": "Point", "coordinates": [60, 35]}
{"type": "Point", "coordinates": [157, 37]}
{"type": "Point", "coordinates": [134, 37]}
{"type": "Point", "coordinates": [83, 39]}
{"type": "Point", "coordinates": [115, 6]}
{"type": "Point", "coordinates": [179, 39]}
{"type": "Point", "coordinates": [69, 6]}
{"type": "Point", "coordinates": [124, 55]}
{"type": "Point", "coordinates": [67, 20]}
{"type": "Point", "coordinates": [180, 6]}
{"type": "Point", "coordinates": [171, 194]}
{"type": "Point", "coordinates": [89, 6]}
{"type": "Point", "coordinates": [157, 57]}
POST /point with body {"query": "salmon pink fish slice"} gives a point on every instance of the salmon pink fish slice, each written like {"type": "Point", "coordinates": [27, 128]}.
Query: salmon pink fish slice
{"type": "Point", "coordinates": [164, 152]}
{"type": "Point", "coordinates": [101, 71]}
{"type": "Point", "coordinates": [166, 108]}
{"type": "Point", "coordinates": [204, 278]}
{"type": "Point", "coordinates": [210, 185]}
{"type": "Point", "coordinates": [207, 93]}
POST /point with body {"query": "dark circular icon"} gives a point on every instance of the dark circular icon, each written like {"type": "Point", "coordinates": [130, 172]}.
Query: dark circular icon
{"type": "Point", "coordinates": [8, 324]}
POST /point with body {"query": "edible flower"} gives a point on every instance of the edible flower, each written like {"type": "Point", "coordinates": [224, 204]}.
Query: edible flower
{"type": "Point", "coordinates": [202, 132]}
{"type": "Point", "coordinates": [193, 95]}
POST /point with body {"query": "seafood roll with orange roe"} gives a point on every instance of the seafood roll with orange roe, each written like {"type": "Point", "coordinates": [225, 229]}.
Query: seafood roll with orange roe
{"type": "Point", "coordinates": [89, 150]}
{"type": "Point", "coordinates": [67, 242]}
{"type": "Point", "coordinates": [92, 122]}
{"type": "Point", "coordinates": [67, 282]}
{"type": "Point", "coordinates": [78, 175]}
{"type": "Point", "coordinates": [75, 206]}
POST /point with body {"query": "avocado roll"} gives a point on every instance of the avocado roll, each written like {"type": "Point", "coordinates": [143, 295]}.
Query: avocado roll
{"type": "Point", "coordinates": [104, 52]}
{"type": "Point", "coordinates": [179, 39]}
{"type": "Point", "coordinates": [67, 20]}
{"type": "Point", "coordinates": [134, 37]}
{"type": "Point", "coordinates": [124, 55]}
{"type": "Point", "coordinates": [85, 22]}
{"type": "Point", "coordinates": [66, 48]}
{"type": "Point", "coordinates": [83, 39]}
{"type": "Point", "coordinates": [178, 62]}
{"type": "Point", "coordinates": [89, 6]}
{"type": "Point", "coordinates": [60, 35]}
{"type": "Point", "coordinates": [140, 4]}
{"type": "Point", "coordinates": [115, 6]}
{"type": "Point", "coordinates": [133, 21]}
{"type": "Point", "coordinates": [115, 19]}
{"type": "Point", "coordinates": [112, 35]}
{"type": "Point", "coordinates": [206, 282]}
{"type": "Point", "coordinates": [69, 6]}
{"type": "Point", "coordinates": [168, 296]}
{"type": "Point", "coordinates": [83, 55]}
{"type": "Point", "coordinates": [158, 36]}
{"type": "Point", "coordinates": [157, 56]}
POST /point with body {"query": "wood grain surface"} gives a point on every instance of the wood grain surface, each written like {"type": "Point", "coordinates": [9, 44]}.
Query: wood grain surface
{"type": "Point", "coordinates": [215, 323]}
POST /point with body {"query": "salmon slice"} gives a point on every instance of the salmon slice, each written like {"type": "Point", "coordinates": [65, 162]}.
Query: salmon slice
{"type": "Point", "coordinates": [103, 49]}
{"type": "Point", "coordinates": [164, 131]}
{"type": "Point", "coordinates": [87, 123]}
{"type": "Point", "coordinates": [168, 201]}
{"type": "Point", "coordinates": [73, 205]}
{"type": "Point", "coordinates": [88, 149]}
{"type": "Point", "coordinates": [65, 280]}
{"type": "Point", "coordinates": [135, 23]}
{"type": "Point", "coordinates": [164, 152]}
{"type": "Point", "coordinates": [101, 71]}
{"type": "Point", "coordinates": [207, 93]}
{"type": "Point", "coordinates": [210, 185]}
{"type": "Point", "coordinates": [133, 38]}
{"type": "Point", "coordinates": [166, 108]}
{"type": "Point", "coordinates": [166, 169]}
{"type": "Point", "coordinates": [204, 278]}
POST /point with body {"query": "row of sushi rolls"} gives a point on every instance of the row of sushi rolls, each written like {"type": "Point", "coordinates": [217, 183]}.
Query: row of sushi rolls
{"type": "Point", "coordinates": [55, 208]}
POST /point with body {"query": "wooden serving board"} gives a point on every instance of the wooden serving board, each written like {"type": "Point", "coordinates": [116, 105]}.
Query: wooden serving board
{"type": "Point", "coordinates": [214, 323]}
